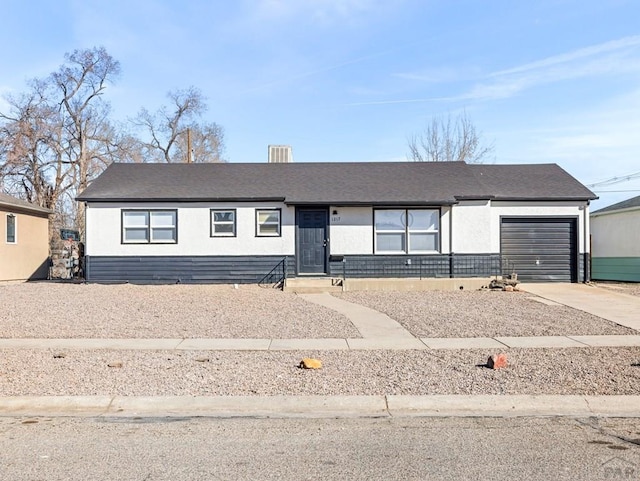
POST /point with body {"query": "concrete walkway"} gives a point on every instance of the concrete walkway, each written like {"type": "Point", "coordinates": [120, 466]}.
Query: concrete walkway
{"type": "Point", "coordinates": [369, 322]}
{"type": "Point", "coordinates": [617, 307]}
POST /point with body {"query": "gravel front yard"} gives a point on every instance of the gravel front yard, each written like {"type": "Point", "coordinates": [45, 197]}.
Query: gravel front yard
{"type": "Point", "coordinates": [530, 371]}
{"type": "Point", "coordinates": [61, 310]}
{"type": "Point", "coordinates": [482, 314]}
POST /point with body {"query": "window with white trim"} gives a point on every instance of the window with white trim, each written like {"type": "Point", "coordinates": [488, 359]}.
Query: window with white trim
{"type": "Point", "coordinates": [407, 231]}
{"type": "Point", "coordinates": [149, 226]}
{"type": "Point", "coordinates": [11, 229]}
{"type": "Point", "coordinates": [268, 222]}
{"type": "Point", "coordinates": [223, 223]}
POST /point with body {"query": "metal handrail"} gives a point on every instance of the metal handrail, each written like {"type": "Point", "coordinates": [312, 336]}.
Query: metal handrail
{"type": "Point", "coordinates": [276, 276]}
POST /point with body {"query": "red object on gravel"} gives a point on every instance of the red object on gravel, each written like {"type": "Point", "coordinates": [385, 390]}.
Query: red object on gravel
{"type": "Point", "coordinates": [497, 361]}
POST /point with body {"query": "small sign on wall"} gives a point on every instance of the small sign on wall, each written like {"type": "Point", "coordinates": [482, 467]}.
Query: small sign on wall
{"type": "Point", "coordinates": [69, 234]}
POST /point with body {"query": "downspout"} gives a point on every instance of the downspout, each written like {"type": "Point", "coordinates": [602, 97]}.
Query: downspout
{"type": "Point", "coordinates": [451, 241]}
{"type": "Point", "coordinates": [85, 257]}
{"type": "Point", "coordinates": [586, 243]}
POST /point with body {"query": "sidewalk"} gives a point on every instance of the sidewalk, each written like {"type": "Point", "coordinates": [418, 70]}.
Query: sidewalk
{"type": "Point", "coordinates": [325, 344]}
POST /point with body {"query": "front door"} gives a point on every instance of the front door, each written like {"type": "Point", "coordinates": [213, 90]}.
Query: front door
{"type": "Point", "coordinates": [312, 241]}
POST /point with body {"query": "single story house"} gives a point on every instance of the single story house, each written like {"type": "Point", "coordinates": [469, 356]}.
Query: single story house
{"type": "Point", "coordinates": [615, 240]}
{"type": "Point", "coordinates": [24, 240]}
{"type": "Point", "coordinates": [239, 222]}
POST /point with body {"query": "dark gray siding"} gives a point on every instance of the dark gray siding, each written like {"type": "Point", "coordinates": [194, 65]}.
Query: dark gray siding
{"type": "Point", "coordinates": [420, 266]}
{"type": "Point", "coordinates": [253, 269]}
{"type": "Point", "coordinates": [184, 269]}
{"type": "Point", "coordinates": [540, 249]}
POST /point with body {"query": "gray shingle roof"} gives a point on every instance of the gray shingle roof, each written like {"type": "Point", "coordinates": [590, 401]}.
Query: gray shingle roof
{"type": "Point", "coordinates": [13, 202]}
{"type": "Point", "coordinates": [625, 204]}
{"type": "Point", "coordinates": [388, 183]}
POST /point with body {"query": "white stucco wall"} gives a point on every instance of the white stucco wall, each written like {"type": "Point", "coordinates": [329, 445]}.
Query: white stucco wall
{"type": "Point", "coordinates": [616, 234]}
{"type": "Point", "coordinates": [475, 228]}
{"type": "Point", "coordinates": [472, 227]}
{"type": "Point", "coordinates": [104, 231]}
{"type": "Point", "coordinates": [350, 230]}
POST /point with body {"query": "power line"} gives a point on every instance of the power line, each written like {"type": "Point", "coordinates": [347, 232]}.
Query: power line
{"type": "Point", "coordinates": [616, 180]}
{"type": "Point", "coordinates": [612, 191]}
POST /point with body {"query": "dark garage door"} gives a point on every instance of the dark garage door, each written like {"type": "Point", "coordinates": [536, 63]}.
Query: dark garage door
{"type": "Point", "coordinates": [539, 249]}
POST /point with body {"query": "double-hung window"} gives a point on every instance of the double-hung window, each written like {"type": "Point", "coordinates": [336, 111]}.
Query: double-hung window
{"type": "Point", "coordinates": [268, 222]}
{"type": "Point", "coordinates": [407, 231]}
{"type": "Point", "coordinates": [11, 229]}
{"type": "Point", "coordinates": [149, 226]}
{"type": "Point", "coordinates": [223, 223]}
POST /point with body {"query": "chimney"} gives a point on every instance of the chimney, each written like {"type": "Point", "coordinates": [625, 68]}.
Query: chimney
{"type": "Point", "coordinates": [280, 154]}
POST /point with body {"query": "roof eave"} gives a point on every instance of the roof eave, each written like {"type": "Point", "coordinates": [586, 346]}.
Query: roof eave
{"type": "Point", "coordinates": [475, 197]}
{"type": "Point", "coordinates": [361, 203]}
{"type": "Point", "coordinates": [545, 199]}
{"type": "Point", "coordinates": [605, 211]}
{"type": "Point", "coordinates": [26, 208]}
{"type": "Point", "coordinates": [179, 199]}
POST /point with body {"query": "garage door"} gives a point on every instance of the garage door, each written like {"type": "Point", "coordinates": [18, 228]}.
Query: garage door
{"type": "Point", "coordinates": [539, 249]}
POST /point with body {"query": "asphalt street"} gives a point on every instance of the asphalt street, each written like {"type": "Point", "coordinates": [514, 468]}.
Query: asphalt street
{"type": "Point", "coordinates": [366, 448]}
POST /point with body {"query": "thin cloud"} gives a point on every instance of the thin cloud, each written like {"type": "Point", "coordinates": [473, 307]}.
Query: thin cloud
{"type": "Point", "coordinates": [401, 101]}
{"type": "Point", "coordinates": [322, 11]}
{"type": "Point", "coordinates": [318, 71]}
{"type": "Point", "coordinates": [594, 142]}
{"type": "Point", "coordinates": [435, 75]}
{"type": "Point", "coordinates": [609, 58]}
{"type": "Point", "coordinates": [329, 68]}
{"type": "Point", "coordinates": [615, 57]}
{"type": "Point", "coordinates": [614, 45]}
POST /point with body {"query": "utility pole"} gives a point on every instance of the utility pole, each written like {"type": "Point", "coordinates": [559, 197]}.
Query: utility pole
{"type": "Point", "coordinates": [189, 160]}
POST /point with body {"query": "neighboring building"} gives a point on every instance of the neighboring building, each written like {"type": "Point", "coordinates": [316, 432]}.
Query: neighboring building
{"type": "Point", "coordinates": [615, 240]}
{"type": "Point", "coordinates": [24, 240]}
{"type": "Point", "coordinates": [237, 222]}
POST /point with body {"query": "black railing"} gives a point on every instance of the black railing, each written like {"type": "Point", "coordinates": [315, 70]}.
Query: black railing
{"type": "Point", "coordinates": [417, 266]}
{"type": "Point", "coordinates": [276, 277]}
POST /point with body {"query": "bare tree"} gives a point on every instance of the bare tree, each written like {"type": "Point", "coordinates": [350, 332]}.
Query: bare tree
{"type": "Point", "coordinates": [445, 140]}
{"type": "Point", "coordinates": [33, 165]}
{"type": "Point", "coordinates": [79, 85]}
{"type": "Point", "coordinates": [57, 136]}
{"type": "Point", "coordinates": [171, 129]}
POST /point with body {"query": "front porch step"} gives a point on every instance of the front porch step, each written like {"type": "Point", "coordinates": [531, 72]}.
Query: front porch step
{"type": "Point", "coordinates": [312, 285]}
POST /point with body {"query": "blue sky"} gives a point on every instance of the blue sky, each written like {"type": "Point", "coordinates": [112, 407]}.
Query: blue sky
{"type": "Point", "coordinates": [351, 80]}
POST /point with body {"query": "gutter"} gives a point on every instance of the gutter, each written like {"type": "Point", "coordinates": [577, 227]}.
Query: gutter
{"type": "Point", "coordinates": [180, 199]}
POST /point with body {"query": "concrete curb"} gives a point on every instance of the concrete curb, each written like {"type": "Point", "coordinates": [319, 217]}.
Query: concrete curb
{"type": "Point", "coordinates": [398, 406]}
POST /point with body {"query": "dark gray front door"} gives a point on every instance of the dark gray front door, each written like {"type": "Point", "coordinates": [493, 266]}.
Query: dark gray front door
{"type": "Point", "coordinates": [312, 241]}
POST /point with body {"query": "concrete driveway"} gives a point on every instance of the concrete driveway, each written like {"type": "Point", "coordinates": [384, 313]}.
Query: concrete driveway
{"type": "Point", "coordinates": [617, 307]}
